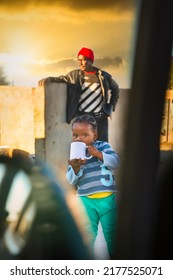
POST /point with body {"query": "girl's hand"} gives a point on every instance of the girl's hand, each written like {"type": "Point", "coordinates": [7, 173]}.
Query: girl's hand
{"type": "Point", "coordinates": [93, 151]}
{"type": "Point", "coordinates": [76, 164]}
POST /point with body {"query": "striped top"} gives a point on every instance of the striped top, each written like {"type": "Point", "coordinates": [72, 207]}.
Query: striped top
{"type": "Point", "coordinates": [96, 176]}
{"type": "Point", "coordinates": [91, 98]}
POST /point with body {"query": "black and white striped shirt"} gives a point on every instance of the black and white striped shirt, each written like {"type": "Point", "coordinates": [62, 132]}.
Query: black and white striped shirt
{"type": "Point", "coordinates": [91, 96]}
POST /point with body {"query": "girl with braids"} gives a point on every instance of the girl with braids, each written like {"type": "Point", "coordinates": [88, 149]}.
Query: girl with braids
{"type": "Point", "coordinates": [94, 179]}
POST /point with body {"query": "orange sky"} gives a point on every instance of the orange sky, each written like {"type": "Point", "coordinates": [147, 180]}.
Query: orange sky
{"type": "Point", "coordinates": [41, 38]}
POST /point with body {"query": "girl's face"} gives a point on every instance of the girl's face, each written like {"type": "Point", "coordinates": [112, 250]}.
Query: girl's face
{"type": "Point", "coordinates": [83, 132]}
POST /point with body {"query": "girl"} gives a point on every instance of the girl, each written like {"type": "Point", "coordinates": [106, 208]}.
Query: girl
{"type": "Point", "coordinates": [94, 179]}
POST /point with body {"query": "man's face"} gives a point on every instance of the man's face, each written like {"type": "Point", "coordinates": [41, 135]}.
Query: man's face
{"type": "Point", "coordinates": [84, 64]}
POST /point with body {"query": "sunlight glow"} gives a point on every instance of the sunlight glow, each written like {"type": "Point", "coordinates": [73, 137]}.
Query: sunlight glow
{"type": "Point", "coordinates": [14, 64]}
{"type": "Point", "coordinates": [16, 67]}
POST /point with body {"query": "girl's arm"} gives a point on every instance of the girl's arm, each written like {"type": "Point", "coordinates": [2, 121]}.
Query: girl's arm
{"type": "Point", "coordinates": [71, 177]}
{"type": "Point", "coordinates": [109, 158]}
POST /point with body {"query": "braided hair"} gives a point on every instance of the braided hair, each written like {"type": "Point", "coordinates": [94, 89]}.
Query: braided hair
{"type": "Point", "coordinates": [86, 118]}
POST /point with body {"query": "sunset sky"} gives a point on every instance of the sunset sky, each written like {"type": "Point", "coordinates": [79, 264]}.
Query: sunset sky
{"type": "Point", "coordinates": [42, 38]}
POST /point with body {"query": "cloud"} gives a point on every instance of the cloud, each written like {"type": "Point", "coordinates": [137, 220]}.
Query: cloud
{"type": "Point", "coordinates": [72, 4]}
{"type": "Point", "coordinates": [69, 64]}
{"type": "Point", "coordinates": [76, 12]}
{"type": "Point", "coordinates": [48, 31]}
{"type": "Point", "coordinates": [26, 71]}
{"type": "Point", "coordinates": [116, 66]}
{"type": "Point", "coordinates": [106, 62]}
{"type": "Point", "coordinates": [67, 11]}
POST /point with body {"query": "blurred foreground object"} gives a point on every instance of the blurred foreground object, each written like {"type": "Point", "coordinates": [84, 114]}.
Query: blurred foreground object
{"type": "Point", "coordinates": [144, 206]}
{"type": "Point", "coordinates": [4, 151]}
{"type": "Point", "coordinates": [35, 220]}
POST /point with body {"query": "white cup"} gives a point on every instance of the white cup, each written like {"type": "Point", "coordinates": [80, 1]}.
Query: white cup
{"type": "Point", "coordinates": [78, 150]}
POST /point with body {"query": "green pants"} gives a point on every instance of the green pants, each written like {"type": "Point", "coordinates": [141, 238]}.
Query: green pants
{"type": "Point", "coordinates": [105, 211]}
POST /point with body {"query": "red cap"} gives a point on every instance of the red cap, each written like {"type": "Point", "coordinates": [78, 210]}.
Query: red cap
{"type": "Point", "coordinates": [87, 53]}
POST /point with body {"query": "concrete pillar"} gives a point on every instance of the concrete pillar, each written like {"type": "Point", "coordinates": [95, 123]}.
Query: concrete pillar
{"type": "Point", "coordinates": [57, 131]}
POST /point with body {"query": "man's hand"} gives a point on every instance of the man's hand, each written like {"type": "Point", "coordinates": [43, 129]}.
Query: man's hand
{"type": "Point", "coordinates": [44, 81]}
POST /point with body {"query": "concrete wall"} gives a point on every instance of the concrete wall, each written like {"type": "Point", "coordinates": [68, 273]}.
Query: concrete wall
{"type": "Point", "coordinates": [39, 103]}
{"type": "Point", "coordinates": [21, 117]}
{"type": "Point", "coordinates": [33, 120]}
{"type": "Point", "coordinates": [16, 118]}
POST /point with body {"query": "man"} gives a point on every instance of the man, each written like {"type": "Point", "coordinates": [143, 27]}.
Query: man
{"type": "Point", "coordinates": [89, 91]}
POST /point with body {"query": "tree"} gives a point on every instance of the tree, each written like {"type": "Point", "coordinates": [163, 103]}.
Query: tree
{"type": "Point", "coordinates": [3, 78]}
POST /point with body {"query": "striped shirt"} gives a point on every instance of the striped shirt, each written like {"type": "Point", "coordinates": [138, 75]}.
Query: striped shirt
{"type": "Point", "coordinates": [91, 98]}
{"type": "Point", "coordinates": [96, 176]}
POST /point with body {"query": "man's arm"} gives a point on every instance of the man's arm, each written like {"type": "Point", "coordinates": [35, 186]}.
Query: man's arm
{"type": "Point", "coordinates": [60, 79]}
{"type": "Point", "coordinates": [114, 93]}
{"type": "Point", "coordinates": [71, 77]}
